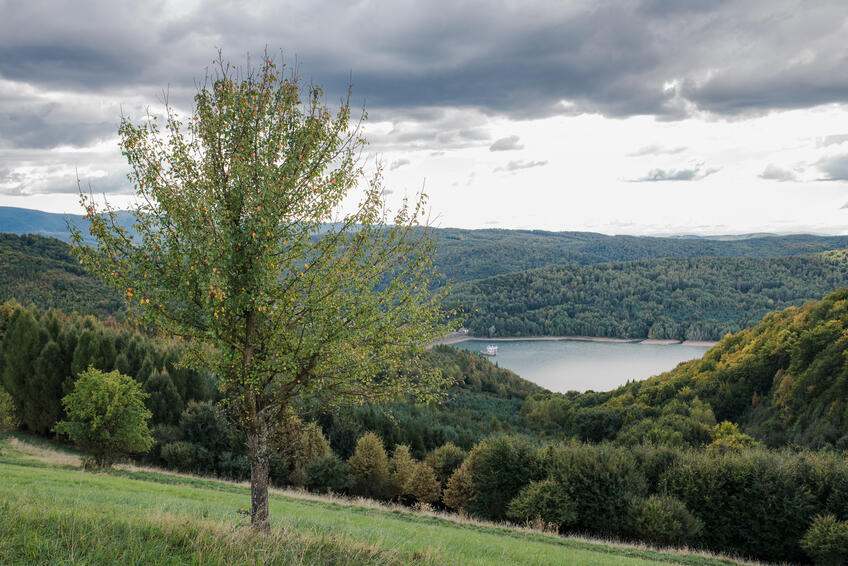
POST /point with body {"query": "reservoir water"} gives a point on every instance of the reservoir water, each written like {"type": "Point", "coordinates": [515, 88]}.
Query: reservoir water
{"type": "Point", "coordinates": [581, 365]}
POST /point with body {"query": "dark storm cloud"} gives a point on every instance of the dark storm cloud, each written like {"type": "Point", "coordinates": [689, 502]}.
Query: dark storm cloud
{"type": "Point", "coordinates": [509, 143]}
{"type": "Point", "coordinates": [522, 59]}
{"type": "Point", "coordinates": [692, 174]}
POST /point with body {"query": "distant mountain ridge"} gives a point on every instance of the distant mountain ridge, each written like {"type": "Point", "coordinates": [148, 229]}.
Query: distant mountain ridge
{"type": "Point", "coordinates": [464, 254]}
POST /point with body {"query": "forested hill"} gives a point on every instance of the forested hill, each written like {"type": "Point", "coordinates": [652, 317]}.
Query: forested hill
{"type": "Point", "coordinates": [464, 255]}
{"type": "Point", "coordinates": [41, 271]}
{"type": "Point", "coordinates": [785, 381]}
{"type": "Point", "coordinates": [696, 299]}
{"type": "Point", "coordinates": [475, 254]}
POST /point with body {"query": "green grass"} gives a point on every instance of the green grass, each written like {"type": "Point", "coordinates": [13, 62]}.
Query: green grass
{"type": "Point", "coordinates": [53, 513]}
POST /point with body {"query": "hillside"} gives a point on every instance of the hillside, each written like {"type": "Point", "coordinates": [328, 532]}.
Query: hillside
{"type": "Point", "coordinates": [695, 299]}
{"type": "Point", "coordinates": [53, 513]}
{"type": "Point", "coordinates": [41, 271]}
{"type": "Point", "coordinates": [464, 255]}
{"type": "Point", "coordinates": [785, 381]}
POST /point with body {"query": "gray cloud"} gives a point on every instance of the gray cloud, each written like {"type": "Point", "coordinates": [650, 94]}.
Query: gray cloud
{"type": "Point", "coordinates": [692, 174]}
{"type": "Point", "coordinates": [437, 70]}
{"type": "Point", "coordinates": [831, 140]}
{"type": "Point", "coordinates": [834, 168]}
{"type": "Point", "coordinates": [509, 143]}
{"type": "Point", "coordinates": [656, 150]}
{"type": "Point", "coordinates": [398, 163]}
{"type": "Point", "coordinates": [643, 57]}
{"type": "Point", "coordinates": [519, 165]}
{"type": "Point", "coordinates": [774, 173]}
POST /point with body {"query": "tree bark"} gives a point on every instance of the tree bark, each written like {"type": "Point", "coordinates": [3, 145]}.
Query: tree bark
{"type": "Point", "coordinates": [259, 468]}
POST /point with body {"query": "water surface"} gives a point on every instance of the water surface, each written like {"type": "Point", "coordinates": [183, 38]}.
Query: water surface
{"type": "Point", "coordinates": [580, 365]}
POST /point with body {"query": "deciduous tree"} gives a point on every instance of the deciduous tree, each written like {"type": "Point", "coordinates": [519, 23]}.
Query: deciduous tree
{"type": "Point", "coordinates": [260, 239]}
{"type": "Point", "coordinates": [107, 416]}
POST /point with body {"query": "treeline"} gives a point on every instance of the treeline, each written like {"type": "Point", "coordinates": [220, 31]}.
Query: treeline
{"type": "Point", "coordinates": [464, 255]}
{"type": "Point", "coordinates": [784, 381]}
{"type": "Point", "coordinates": [778, 506]}
{"type": "Point", "coordinates": [682, 299]}
{"type": "Point", "coordinates": [43, 352]}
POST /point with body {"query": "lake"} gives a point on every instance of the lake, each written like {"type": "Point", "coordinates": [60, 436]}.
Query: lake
{"type": "Point", "coordinates": [580, 365]}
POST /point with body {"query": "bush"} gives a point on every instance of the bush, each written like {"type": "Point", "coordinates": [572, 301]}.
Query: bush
{"type": "Point", "coordinates": [235, 465]}
{"type": "Point", "coordinates": [163, 399]}
{"type": "Point", "coordinates": [663, 521]}
{"type": "Point", "coordinates": [826, 541]}
{"type": "Point", "coordinates": [423, 485]}
{"type": "Point", "coordinates": [180, 456]}
{"type": "Point", "coordinates": [752, 502]}
{"type": "Point", "coordinates": [310, 445]}
{"type": "Point", "coordinates": [546, 500]}
{"type": "Point", "coordinates": [8, 419]}
{"type": "Point", "coordinates": [400, 469]}
{"type": "Point", "coordinates": [370, 467]}
{"type": "Point", "coordinates": [445, 460]}
{"type": "Point", "coordinates": [601, 480]}
{"type": "Point", "coordinates": [459, 491]}
{"type": "Point", "coordinates": [329, 473]}
{"type": "Point", "coordinates": [106, 416]}
{"type": "Point", "coordinates": [503, 466]}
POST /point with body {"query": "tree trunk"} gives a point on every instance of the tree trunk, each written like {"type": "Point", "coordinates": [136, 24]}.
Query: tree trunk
{"type": "Point", "coordinates": [259, 466]}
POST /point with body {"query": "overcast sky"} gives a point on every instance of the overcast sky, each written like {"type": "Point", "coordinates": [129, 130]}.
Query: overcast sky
{"type": "Point", "coordinates": [629, 117]}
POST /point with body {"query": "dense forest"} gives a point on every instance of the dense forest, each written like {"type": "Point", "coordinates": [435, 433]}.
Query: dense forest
{"type": "Point", "coordinates": [41, 271]}
{"type": "Point", "coordinates": [697, 299]}
{"type": "Point", "coordinates": [477, 254]}
{"type": "Point", "coordinates": [694, 299]}
{"type": "Point", "coordinates": [784, 381]}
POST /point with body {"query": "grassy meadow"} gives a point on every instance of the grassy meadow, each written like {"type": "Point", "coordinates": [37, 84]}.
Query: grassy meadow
{"type": "Point", "coordinates": [52, 512]}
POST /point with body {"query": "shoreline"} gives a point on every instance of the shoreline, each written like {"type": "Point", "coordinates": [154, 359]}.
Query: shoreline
{"type": "Point", "coordinates": [456, 339]}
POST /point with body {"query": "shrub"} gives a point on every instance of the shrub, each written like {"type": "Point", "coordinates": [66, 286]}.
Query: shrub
{"type": "Point", "coordinates": [601, 480]}
{"type": "Point", "coordinates": [163, 399]}
{"type": "Point", "coordinates": [503, 466]}
{"type": "Point", "coordinates": [752, 502]}
{"type": "Point", "coordinates": [235, 465]}
{"type": "Point", "coordinates": [445, 459]}
{"type": "Point", "coordinates": [400, 469]}
{"type": "Point", "coordinates": [664, 521]}
{"type": "Point", "coordinates": [459, 491]}
{"type": "Point", "coordinates": [423, 485]}
{"type": "Point", "coordinates": [106, 416]}
{"type": "Point", "coordinates": [546, 500]}
{"type": "Point", "coordinates": [180, 455]}
{"type": "Point", "coordinates": [370, 467]}
{"type": "Point", "coordinates": [8, 419]}
{"type": "Point", "coordinates": [204, 425]}
{"type": "Point", "coordinates": [826, 541]}
{"type": "Point", "coordinates": [329, 473]}
{"type": "Point", "coordinates": [310, 445]}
